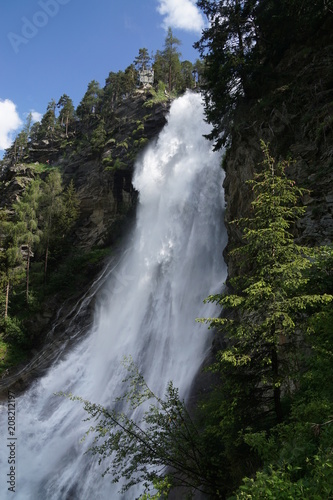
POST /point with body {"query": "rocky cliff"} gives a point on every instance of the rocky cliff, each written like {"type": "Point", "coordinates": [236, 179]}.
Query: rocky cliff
{"type": "Point", "coordinates": [296, 118]}
{"type": "Point", "coordinates": [103, 183]}
{"type": "Point", "coordinates": [102, 179]}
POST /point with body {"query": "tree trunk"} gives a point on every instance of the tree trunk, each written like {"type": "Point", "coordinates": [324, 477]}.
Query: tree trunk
{"type": "Point", "coordinates": [47, 247]}
{"type": "Point", "coordinates": [46, 259]}
{"type": "Point", "coordinates": [67, 121]}
{"type": "Point", "coordinates": [28, 269]}
{"type": "Point", "coordinates": [276, 389]}
{"type": "Point", "coordinates": [7, 300]}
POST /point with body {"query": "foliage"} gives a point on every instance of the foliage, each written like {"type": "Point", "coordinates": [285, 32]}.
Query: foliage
{"type": "Point", "coordinates": [274, 404]}
{"type": "Point", "coordinates": [90, 105]}
{"type": "Point", "coordinates": [171, 57]}
{"type": "Point", "coordinates": [50, 207]}
{"type": "Point", "coordinates": [98, 138]}
{"type": "Point", "coordinates": [67, 112]}
{"type": "Point", "coordinates": [242, 42]}
{"type": "Point", "coordinates": [140, 143]}
{"type": "Point", "coordinates": [13, 331]}
{"type": "Point", "coordinates": [73, 272]}
{"type": "Point", "coordinates": [48, 123]}
{"type": "Point", "coordinates": [28, 232]}
{"type": "Point", "coordinates": [158, 95]}
{"type": "Point", "coordinates": [142, 60]}
{"type": "Point", "coordinates": [297, 455]}
{"type": "Point", "coordinates": [34, 234]}
{"type": "Point", "coordinates": [162, 488]}
{"type": "Point", "coordinates": [227, 48]}
{"type": "Point", "coordinates": [138, 450]}
{"type": "Point", "coordinates": [269, 298]}
{"type": "Point", "coordinates": [176, 75]}
{"type": "Point", "coordinates": [10, 355]}
{"type": "Point", "coordinates": [112, 166]}
{"type": "Point", "coordinates": [70, 209]}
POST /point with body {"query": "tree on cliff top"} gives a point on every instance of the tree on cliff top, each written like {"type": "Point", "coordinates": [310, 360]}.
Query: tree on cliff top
{"type": "Point", "coordinates": [91, 102]}
{"type": "Point", "coordinates": [142, 60]}
{"type": "Point", "coordinates": [171, 56]}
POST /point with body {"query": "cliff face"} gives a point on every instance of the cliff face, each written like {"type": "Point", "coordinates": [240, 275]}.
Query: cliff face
{"type": "Point", "coordinates": [296, 119]}
{"type": "Point", "coordinates": [102, 178]}
{"type": "Point", "coordinates": [104, 183]}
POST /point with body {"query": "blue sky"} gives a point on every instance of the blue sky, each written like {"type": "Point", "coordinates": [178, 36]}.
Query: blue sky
{"type": "Point", "coordinates": [52, 47]}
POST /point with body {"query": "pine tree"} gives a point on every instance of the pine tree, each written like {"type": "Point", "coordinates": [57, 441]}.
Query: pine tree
{"type": "Point", "coordinates": [112, 92]}
{"type": "Point", "coordinates": [28, 124]}
{"type": "Point", "coordinates": [130, 79]}
{"type": "Point", "coordinates": [35, 132]}
{"type": "Point", "coordinates": [186, 77]}
{"type": "Point", "coordinates": [20, 146]}
{"type": "Point", "coordinates": [26, 212]}
{"type": "Point", "coordinates": [10, 259]}
{"type": "Point", "coordinates": [228, 47]}
{"type": "Point", "coordinates": [66, 115]}
{"type": "Point", "coordinates": [142, 61]}
{"type": "Point", "coordinates": [160, 68]}
{"type": "Point", "coordinates": [48, 122]}
{"type": "Point", "coordinates": [50, 206]}
{"type": "Point", "coordinates": [70, 208]}
{"type": "Point", "coordinates": [91, 102]}
{"type": "Point", "coordinates": [270, 295]}
{"type": "Point", "coordinates": [171, 56]}
{"type": "Point", "coordinates": [98, 137]}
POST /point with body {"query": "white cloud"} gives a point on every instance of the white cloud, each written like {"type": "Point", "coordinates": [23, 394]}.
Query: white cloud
{"type": "Point", "coordinates": [182, 14]}
{"type": "Point", "coordinates": [9, 122]}
{"type": "Point", "coordinates": [36, 117]}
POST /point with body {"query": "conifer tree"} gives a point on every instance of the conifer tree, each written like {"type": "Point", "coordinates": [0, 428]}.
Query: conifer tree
{"type": "Point", "coordinates": [10, 258]}
{"type": "Point", "coordinates": [142, 60]}
{"type": "Point", "coordinates": [35, 132]}
{"type": "Point", "coordinates": [130, 79]}
{"type": "Point", "coordinates": [186, 77]}
{"type": "Point", "coordinates": [160, 68]}
{"type": "Point", "coordinates": [270, 294]}
{"type": "Point", "coordinates": [91, 102]}
{"type": "Point", "coordinates": [112, 92]}
{"type": "Point", "coordinates": [70, 208]}
{"type": "Point", "coordinates": [26, 211]}
{"type": "Point", "coordinates": [48, 122]}
{"type": "Point", "coordinates": [228, 48]}
{"type": "Point", "coordinates": [66, 115]}
{"type": "Point", "coordinates": [171, 56]}
{"type": "Point", "coordinates": [50, 206]}
{"type": "Point", "coordinates": [20, 146]}
{"type": "Point", "coordinates": [28, 125]}
{"type": "Point", "coordinates": [98, 137]}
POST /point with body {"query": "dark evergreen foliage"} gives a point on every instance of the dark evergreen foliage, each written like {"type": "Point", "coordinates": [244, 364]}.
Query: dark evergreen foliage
{"type": "Point", "coordinates": [244, 41]}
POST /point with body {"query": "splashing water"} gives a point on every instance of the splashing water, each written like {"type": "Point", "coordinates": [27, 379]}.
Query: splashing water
{"type": "Point", "coordinates": [147, 310]}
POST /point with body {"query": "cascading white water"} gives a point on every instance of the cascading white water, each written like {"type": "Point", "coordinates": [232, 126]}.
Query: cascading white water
{"type": "Point", "coordinates": [147, 310]}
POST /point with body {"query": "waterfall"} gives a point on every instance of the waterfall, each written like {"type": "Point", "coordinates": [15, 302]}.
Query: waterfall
{"type": "Point", "coordinates": [147, 309]}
